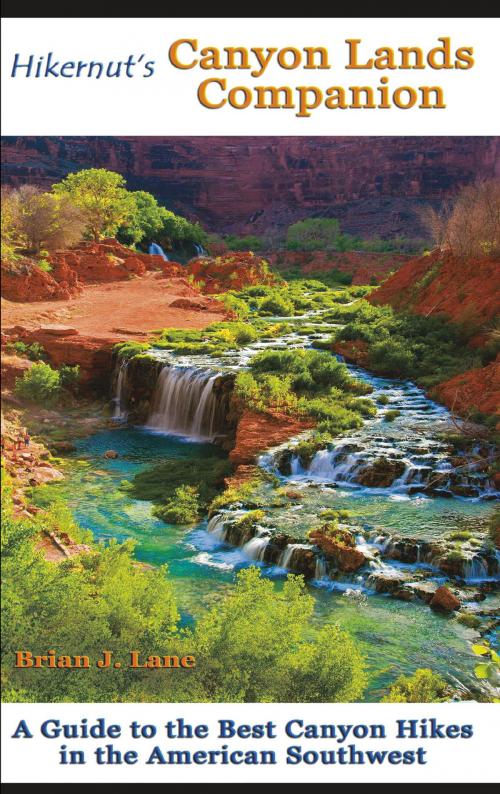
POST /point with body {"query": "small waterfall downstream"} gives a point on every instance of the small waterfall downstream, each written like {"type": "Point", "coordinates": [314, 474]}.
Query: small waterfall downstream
{"type": "Point", "coordinates": [157, 250]}
{"type": "Point", "coordinates": [120, 412]}
{"type": "Point", "coordinates": [256, 547]}
{"type": "Point", "coordinates": [185, 404]}
{"type": "Point", "coordinates": [199, 249]}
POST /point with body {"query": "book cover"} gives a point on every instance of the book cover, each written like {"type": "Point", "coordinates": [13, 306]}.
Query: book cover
{"type": "Point", "coordinates": [250, 391]}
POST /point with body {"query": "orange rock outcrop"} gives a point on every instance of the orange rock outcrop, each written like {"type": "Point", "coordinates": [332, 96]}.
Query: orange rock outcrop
{"type": "Point", "coordinates": [257, 432]}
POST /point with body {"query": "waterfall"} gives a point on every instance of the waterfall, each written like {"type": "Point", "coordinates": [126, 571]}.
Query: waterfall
{"type": "Point", "coordinates": [320, 571]}
{"type": "Point", "coordinates": [475, 568]}
{"type": "Point", "coordinates": [286, 557]}
{"type": "Point", "coordinates": [216, 526]}
{"type": "Point", "coordinates": [256, 547]}
{"type": "Point", "coordinates": [157, 250]}
{"type": "Point", "coordinates": [185, 404]}
{"type": "Point", "coordinates": [119, 413]}
{"type": "Point", "coordinates": [199, 249]}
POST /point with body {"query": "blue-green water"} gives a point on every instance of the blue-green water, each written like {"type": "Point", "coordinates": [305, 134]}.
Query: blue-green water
{"type": "Point", "coordinates": [395, 636]}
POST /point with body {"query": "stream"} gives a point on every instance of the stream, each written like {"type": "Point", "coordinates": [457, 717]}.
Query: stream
{"type": "Point", "coordinates": [396, 636]}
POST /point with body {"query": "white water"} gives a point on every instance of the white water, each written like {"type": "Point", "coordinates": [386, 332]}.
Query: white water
{"type": "Point", "coordinates": [420, 461]}
{"type": "Point", "coordinates": [286, 558]}
{"type": "Point", "coordinates": [120, 413]}
{"type": "Point", "coordinates": [216, 526]}
{"type": "Point", "coordinates": [256, 547]}
{"type": "Point", "coordinates": [157, 250]}
{"type": "Point", "coordinates": [184, 403]}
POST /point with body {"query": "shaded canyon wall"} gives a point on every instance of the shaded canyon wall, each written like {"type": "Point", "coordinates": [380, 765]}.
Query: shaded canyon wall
{"type": "Point", "coordinates": [374, 185]}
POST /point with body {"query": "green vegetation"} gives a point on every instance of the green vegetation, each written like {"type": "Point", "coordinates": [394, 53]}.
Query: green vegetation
{"type": "Point", "coordinates": [33, 220]}
{"type": "Point", "coordinates": [253, 645]}
{"type": "Point", "coordinates": [182, 508]}
{"type": "Point", "coordinates": [34, 352]}
{"type": "Point", "coordinates": [313, 234]}
{"type": "Point", "coordinates": [469, 620]}
{"type": "Point", "coordinates": [324, 234]}
{"type": "Point", "coordinates": [102, 199]}
{"type": "Point", "coordinates": [489, 667]}
{"type": "Point", "coordinates": [39, 384]}
{"type": "Point", "coordinates": [181, 493]}
{"type": "Point", "coordinates": [248, 243]}
{"type": "Point", "coordinates": [390, 416]}
{"type": "Point", "coordinates": [305, 383]}
{"type": "Point", "coordinates": [424, 686]}
{"type": "Point", "coordinates": [127, 350]}
{"type": "Point", "coordinates": [427, 349]}
{"type": "Point", "coordinates": [92, 203]}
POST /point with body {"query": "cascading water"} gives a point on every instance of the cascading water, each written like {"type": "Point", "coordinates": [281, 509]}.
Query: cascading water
{"type": "Point", "coordinates": [288, 553]}
{"type": "Point", "coordinates": [199, 249]}
{"type": "Point", "coordinates": [256, 547]}
{"type": "Point", "coordinates": [216, 526]}
{"type": "Point", "coordinates": [185, 404]}
{"type": "Point", "coordinates": [120, 413]}
{"type": "Point", "coordinates": [157, 250]}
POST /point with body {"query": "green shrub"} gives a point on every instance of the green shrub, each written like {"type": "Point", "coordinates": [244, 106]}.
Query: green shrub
{"type": "Point", "coordinates": [126, 350]}
{"type": "Point", "coordinates": [183, 508]}
{"type": "Point", "coordinates": [424, 686]}
{"type": "Point", "coordinates": [390, 416]}
{"type": "Point", "coordinates": [40, 384]}
{"type": "Point", "coordinates": [34, 352]}
{"type": "Point", "coordinates": [469, 620]}
{"type": "Point", "coordinates": [69, 375]}
{"type": "Point", "coordinates": [277, 305]}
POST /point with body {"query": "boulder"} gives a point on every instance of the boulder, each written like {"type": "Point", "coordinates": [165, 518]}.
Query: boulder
{"type": "Point", "coordinates": [381, 473]}
{"type": "Point", "coordinates": [341, 548]}
{"type": "Point", "coordinates": [423, 590]}
{"type": "Point", "coordinates": [111, 454]}
{"type": "Point", "coordinates": [443, 600]}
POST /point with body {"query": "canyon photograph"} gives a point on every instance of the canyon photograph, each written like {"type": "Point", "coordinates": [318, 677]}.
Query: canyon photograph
{"type": "Point", "coordinates": [250, 419]}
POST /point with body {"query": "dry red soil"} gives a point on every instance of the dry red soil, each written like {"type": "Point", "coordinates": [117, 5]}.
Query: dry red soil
{"type": "Point", "coordinates": [120, 310]}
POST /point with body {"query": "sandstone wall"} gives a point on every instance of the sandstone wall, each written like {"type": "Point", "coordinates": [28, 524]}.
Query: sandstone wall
{"type": "Point", "coordinates": [251, 184]}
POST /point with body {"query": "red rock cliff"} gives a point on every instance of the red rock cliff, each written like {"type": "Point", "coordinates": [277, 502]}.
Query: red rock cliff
{"type": "Point", "coordinates": [250, 184]}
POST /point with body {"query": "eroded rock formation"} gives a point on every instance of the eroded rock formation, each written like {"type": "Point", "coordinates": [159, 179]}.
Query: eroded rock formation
{"type": "Point", "coordinates": [374, 185]}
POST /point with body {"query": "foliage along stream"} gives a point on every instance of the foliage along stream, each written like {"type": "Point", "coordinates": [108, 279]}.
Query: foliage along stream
{"type": "Point", "coordinates": [396, 636]}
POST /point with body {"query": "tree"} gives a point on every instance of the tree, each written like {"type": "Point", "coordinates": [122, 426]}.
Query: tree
{"type": "Point", "coordinates": [424, 686]}
{"type": "Point", "coordinates": [40, 384]}
{"type": "Point", "coordinates": [35, 220]}
{"type": "Point", "coordinates": [147, 220]}
{"type": "Point", "coordinates": [312, 234]}
{"type": "Point", "coordinates": [101, 197]}
{"type": "Point", "coordinates": [9, 230]}
{"type": "Point", "coordinates": [468, 226]}
{"type": "Point", "coordinates": [252, 647]}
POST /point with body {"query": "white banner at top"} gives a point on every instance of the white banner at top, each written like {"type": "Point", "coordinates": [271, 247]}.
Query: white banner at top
{"type": "Point", "coordinates": [257, 76]}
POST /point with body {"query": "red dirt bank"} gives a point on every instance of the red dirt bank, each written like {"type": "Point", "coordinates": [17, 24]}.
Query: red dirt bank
{"type": "Point", "coordinates": [258, 431]}
{"type": "Point", "coordinates": [466, 291]}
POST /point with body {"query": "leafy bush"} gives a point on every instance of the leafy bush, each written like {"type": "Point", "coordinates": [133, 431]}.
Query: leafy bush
{"type": "Point", "coordinates": [312, 234]}
{"type": "Point", "coordinates": [249, 243]}
{"type": "Point", "coordinates": [390, 416]}
{"type": "Point", "coordinates": [160, 483]}
{"type": "Point", "coordinates": [263, 637]}
{"type": "Point", "coordinates": [126, 350]}
{"type": "Point", "coordinates": [39, 384]}
{"type": "Point", "coordinates": [34, 352]}
{"type": "Point", "coordinates": [182, 508]}
{"type": "Point", "coordinates": [277, 305]}
{"type": "Point", "coordinates": [69, 375]}
{"type": "Point", "coordinates": [424, 686]}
